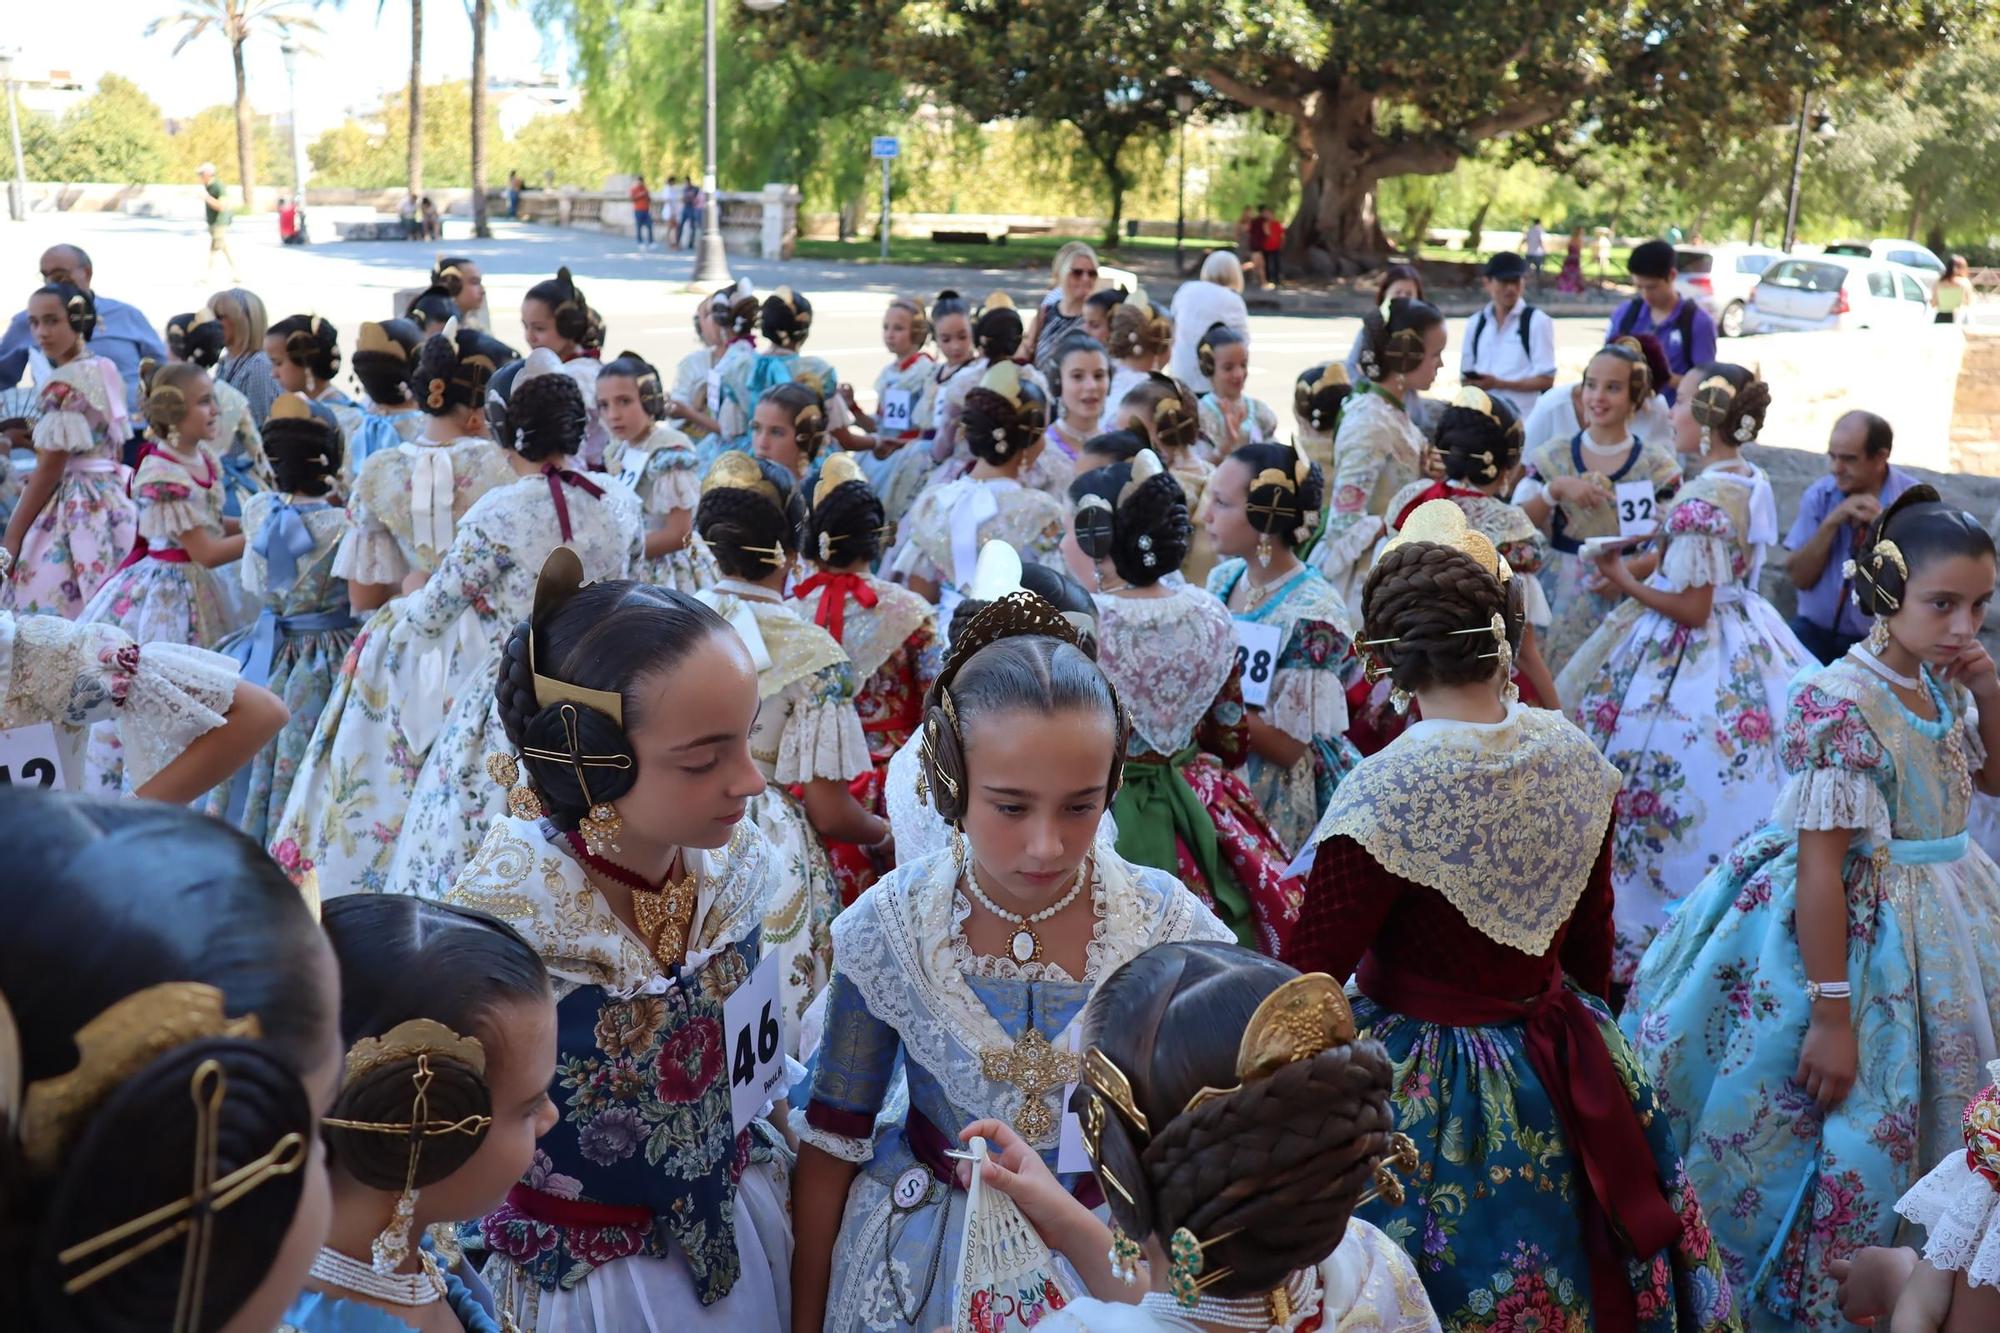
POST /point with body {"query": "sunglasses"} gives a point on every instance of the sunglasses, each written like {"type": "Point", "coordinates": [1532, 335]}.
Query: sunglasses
{"type": "Point", "coordinates": [1083, 273]}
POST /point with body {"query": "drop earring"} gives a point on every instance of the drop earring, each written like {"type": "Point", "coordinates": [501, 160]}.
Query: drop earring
{"type": "Point", "coordinates": [1124, 1256]}
{"type": "Point", "coordinates": [1264, 551]}
{"type": "Point", "coordinates": [391, 1249]}
{"type": "Point", "coordinates": [1399, 699]}
{"type": "Point", "coordinates": [1878, 635]}
{"type": "Point", "coordinates": [600, 828]}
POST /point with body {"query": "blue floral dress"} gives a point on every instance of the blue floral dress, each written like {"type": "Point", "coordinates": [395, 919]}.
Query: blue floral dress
{"type": "Point", "coordinates": [911, 1014]}
{"type": "Point", "coordinates": [1689, 715]}
{"type": "Point", "coordinates": [661, 470]}
{"type": "Point", "coordinates": [1719, 1011]}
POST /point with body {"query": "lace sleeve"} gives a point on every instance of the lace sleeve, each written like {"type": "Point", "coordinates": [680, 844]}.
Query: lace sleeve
{"type": "Point", "coordinates": [1838, 766]}
{"type": "Point", "coordinates": [1308, 697]}
{"type": "Point", "coordinates": [1959, 1208]}
{"type": "Point", "coordinates": [175, 696]}
{"type": "Point", "coordinates": [1700, 547]}
{"type": "Point", "coordinates": [823, 737]}
{"type": "Point", "coordinates": [675, 482]}
{"type": "Point", "coordinates": [165, 497]}
{"type": "Point", "coordinates": [368, 551]}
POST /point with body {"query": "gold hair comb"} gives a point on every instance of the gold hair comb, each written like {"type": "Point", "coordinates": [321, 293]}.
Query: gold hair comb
{"type": "Point", "coordinates": [737, 471]}
{"type": "Point", "coordinates": [560, 578]}
{"type": "Point", "coordinates": [417, 1036]}
{"type": "Point", "coordinates": [1442, 523]}
{"type": "Point", "coordinates": [836, 472]}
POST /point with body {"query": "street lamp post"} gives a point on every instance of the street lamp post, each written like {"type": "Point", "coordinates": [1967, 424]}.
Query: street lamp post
{"type": "Point", "coordinates": [17, 189]}
{"type": "Point", "coordinates": [1184, 103]}
{"type": "Point", "coordinates": [1823, 127]}
{"type": "Point", "coordinates": [711, 261]}
{"type": "Point", "coordinates": [290, 50]}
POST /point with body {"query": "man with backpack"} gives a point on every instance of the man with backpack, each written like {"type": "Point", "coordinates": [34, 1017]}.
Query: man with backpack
{"type": "Point", "coordinates": [1686, 331]}
{"type": "Point", "coordinates": [1510, 347]}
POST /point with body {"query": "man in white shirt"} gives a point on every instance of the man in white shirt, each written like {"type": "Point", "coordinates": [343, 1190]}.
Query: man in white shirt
{"type": "Point", "coordinates": [1509, 348]}
{"type": "Point", "coordinates": [1536, 244]}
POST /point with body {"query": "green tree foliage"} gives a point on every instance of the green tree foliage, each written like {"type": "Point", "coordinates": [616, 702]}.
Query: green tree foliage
{"type": "Point", "coordinates": [375, 155]}
{"type": "Point", "coordinates": [210, 136]}
{"type": "Point", "coordinates": [115, 134]}
{"type": "Point", "coordinates": [236, 22]}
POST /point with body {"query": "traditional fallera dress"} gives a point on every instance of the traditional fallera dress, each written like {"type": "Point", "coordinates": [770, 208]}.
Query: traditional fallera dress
{"type": "Point", "coordinates": [746, 379]}
{"type": "Point", "coordinates": [696, 386]}
{"type": "Point", "coordinates": [1462, 868]}
{"type": "Point", "coordinates": [240, 445]}
{"type": "Point", "coordinates": [363, 759]}
{"type": "Point", "coordinates": [644, 1212]}
{"type": "Point", "coordinates": [1366, 1283]}
{"type": "Point", "coordinates": [160, 697]}
{"type": "Point", "coordinates": [806, 731]}
{"type": "Point", "coordinates": [948, 524]}
{"type": "Point", "coordinates": [1260, 423]}
{"type": "Point", "coordinates": [1308, 681]}
{"type": "Point", "coordinates": [661, 471]}
{"type": "Point", "coordinates": [726, 384]}
{"type": "Point", "coordinates": [1576, 609]}
{"type": "Point", "coordinates": [909, 479]}
{"type": "Point", "coordinates": [890, 636]}
{"type": "Point", "coordinates": [89, 522]}
{"type": "Point", "coordinates": [1719, 1010]}
{"type": "Point", "coordinates": [902, 393]}
{"type": "Point", "coordinates": [324, 1312]}
{"type": "Point", "coordinates": [491, 570]}
{"type": "Point", "coordinates": [1689, 716]}
{"type": "Point", "coordinates": [294, 649]}
{"type": "Point", "coordinates": [925, 1036]}
{"type": "Point", "coordinates": [1183, 808]}
{"type": "Point", "coordinates": [1377, 451]}
{"type": "Point", "coordinates": [375, 432]}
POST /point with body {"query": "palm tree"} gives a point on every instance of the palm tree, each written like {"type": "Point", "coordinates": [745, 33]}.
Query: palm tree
{"type": "Point", "coordinates": [238, 21]}
{"type": "Point", "coordinates": [416, 164]}
{"type": "Point", "coordinates": [481, 13]}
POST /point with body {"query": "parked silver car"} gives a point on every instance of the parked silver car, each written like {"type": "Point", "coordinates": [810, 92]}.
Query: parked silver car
{"type": "Point", "coordinates": [1718, 278]}
{"type": "Point", "coordinates": [1836, 292]}
{"type": "Point", "coordinates": [1916, 258]}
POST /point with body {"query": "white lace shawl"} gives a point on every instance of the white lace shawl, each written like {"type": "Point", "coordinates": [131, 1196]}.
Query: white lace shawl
{"type": "Point", "coordinates": [1169, 657]}
{"type": "Point", "coordinates": [1960, 1209]}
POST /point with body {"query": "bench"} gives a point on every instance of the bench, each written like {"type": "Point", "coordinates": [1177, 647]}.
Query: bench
{"type": "Point", "coordinates": [378, 229]}
{"type": "Point", "coordinates": [963, 238]}
{"type": "Point", "coordinates": [1030, 228]}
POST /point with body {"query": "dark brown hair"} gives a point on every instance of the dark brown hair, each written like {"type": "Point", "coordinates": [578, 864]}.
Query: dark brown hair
{"type": "Point", "coordinates": [1924, 529]}
{"type": "Point", "coordinates": [1394, 274]}
{"type": "Point", "coordinates": [1735, 415]}
{"type": "Point", "coordinates": [1420, 596]}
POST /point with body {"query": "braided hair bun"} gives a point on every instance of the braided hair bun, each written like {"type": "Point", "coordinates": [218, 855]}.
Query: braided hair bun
{"type": "Point", "coordinates": [546, 415]}
{"type": "Point", "coordinates": [79, 306]}
{"type": "Point", "coordinates": [168, 391]}
{"type": "Point", "coordinates": [1421, 596]}
{"type": "Point", "coordinates": [736, 310]}
{"type": "Point", "coordinates": [452, 373]}
{"type": "Point", "coordinates": [1139, 330]}
{"type": "Point", "coordinates": [999, 429]}
{"type": "Point", "coordinates": [846, 524]}
{"type": "Point", "coordinates": [1284, 493]}
{"type": "Point", "coordinates": [642, 373]}
{"type": "Point", "coordinates": [1217, 337]}
{"type": "Point", "coordinates": [1171, 410]}
{"type": "Point", "coordinates": [384, 357]}
{"type": "Point", "coordinates": [1317, 396]}
{"type": "Point", "coordinates": [201, 341]}
{"type": "Point", "coordinates": [575, 320]}
{"type": "Point", "coordinates": [1922, 529]}
{"type": "Point", "coordinates": [432, 308]}
{"type": "Point", "coordinates": [803, 404]}
{"type": "Point", "coordinates": [997, 330]}
{"type": "Point", "coordinates": [1136, 515]}
{"type": "Point", "coordinates": [1729, 402]}
{"type": "Point", "coordinates": [302, 440]}
{"type": "Point", "coordinates": [1392, 337]}
{"type": "Point", "coordinates": [1479, 437]}
{"type": "Point", "coordinates": [312, 343]}
{"type": "Point", "coordinates": [744, 525]}
{"type": "Point", "coordinates": [1268, 1174]}
{"type": "Point", "coordinates": [786, 319]}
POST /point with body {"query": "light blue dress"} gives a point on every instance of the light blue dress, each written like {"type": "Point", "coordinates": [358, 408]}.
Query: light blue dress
{"type": "Point", "coordinates": [1719, 1009]}
{"type": "Point", "coordinates": [910, 1006]}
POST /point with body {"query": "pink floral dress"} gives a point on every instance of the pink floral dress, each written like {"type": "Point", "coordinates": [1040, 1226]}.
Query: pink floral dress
{"type": "Point", "coordinates": [88, 525]}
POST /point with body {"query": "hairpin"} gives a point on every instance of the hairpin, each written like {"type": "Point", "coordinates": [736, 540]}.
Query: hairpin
{"type": "Point", "coordinates": [1475, 399]}
{"type": "Point", "coordinates": [1442, 523]}
{"type": "Point", "coordinates": [560, 578]}
{"type": "Point", "coordinates": [1145, 466]}
{"type": "Point", "coordinates": [1004, 378]}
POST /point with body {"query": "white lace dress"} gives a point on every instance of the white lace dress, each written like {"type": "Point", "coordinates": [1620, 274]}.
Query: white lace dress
{"type": "Point", "coordinates": [661, 471]}
{"type": "Point", "coordinates": [949, 523]}
{"type": "Point", "coordinates": [1958, 1202]}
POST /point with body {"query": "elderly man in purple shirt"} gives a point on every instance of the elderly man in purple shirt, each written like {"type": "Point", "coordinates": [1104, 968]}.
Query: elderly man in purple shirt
{"type": "Point", "coordinates": [124, 336]}
{"type": "Point", "coordinates": [1834, 513]}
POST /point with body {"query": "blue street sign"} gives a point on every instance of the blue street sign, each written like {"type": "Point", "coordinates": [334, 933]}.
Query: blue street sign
{"type": "Point", "coordinates": [885, 145]}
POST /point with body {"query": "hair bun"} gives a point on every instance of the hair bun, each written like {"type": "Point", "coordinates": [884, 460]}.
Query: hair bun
{"type": "Point", "coordinates": [443, 1132]}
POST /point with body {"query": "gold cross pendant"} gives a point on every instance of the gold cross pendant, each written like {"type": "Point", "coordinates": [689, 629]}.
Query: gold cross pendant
{"type": "Point", "coordinates": [664, 918]}
{"type": "Point", "coordinates": [1035, 1067]}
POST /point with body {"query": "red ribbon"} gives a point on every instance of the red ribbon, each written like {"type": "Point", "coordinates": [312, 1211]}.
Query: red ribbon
{"type": "Point", "coordinates": [556, 1211]}
{"type": "Point", "coordinates": [141, 548]}
{"type": "Point", "coordinates": [1626, 1210]}
{"type": "Point", "coordinates": [558, 477]}
{"type": "Point", "coordinates": [834, 590]}
{"type": "Point", "coordinates": [1437, 490]}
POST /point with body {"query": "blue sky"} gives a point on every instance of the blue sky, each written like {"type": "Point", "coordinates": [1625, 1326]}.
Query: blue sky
{"type": "Point", "coordinates": [356, 59]}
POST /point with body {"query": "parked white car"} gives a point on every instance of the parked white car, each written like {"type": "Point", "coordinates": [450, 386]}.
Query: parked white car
{"type": "Point", "coordinates": [1917, 258]}
{"type": "Point", "coordinates": [1718, 278]}
{"type": "Point", "coordinates": [1836, 292]}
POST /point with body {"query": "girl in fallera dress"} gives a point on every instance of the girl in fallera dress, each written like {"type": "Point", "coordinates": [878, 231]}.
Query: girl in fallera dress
{"type": "Point", "coordinates": [1462, 876]}
{"type": "Point", "coordinates": [1083, 385]}
{"type": "Point", "coordinates": [1171, 651]}
{"type": "Point", "coordinates": [691, 398]}
{"type": "Point", "coordinates": [555, 315]}
{"type": "Point", "coordinates": [450, 1036]}
{"type": "Point", "coordinates": [626, 860]}
{"type": "Point", "coordinates": [1004, 419]}
{"type": "Point", "coordinates": [807, 735]}
{"type": "Point", "coordinates": [1235, 1121]}
{"type": "Point", "coordinates": [903, 388]}
{"type": "Point", "coordinates": [950, 321]}
{"type": "Point", "coordinates": [511, 531]}
{"type": "Point", "coordinates": [1378, 450]}
{"type": "Point", "coordinates": [1165, 413]}
{"type": "Point", "coordinates": [1263, 504]}
{"type": "Point", "coordinates": [656, 463]}
{"type": "Point", "coordinates": [384, 360]}
{"type": "Point", "coordinates": [1571, 491]}
{"type": "Point", "coordinates": [736, 315]}
{"type": "Point", "coordinates": [1231, 418]}
{"type": "Point", "coordinates": [74, 521]}
{"type": "Point", "coordinates": [1818, 1013]}
{"type": "Point", "coordinates": [785, 319]}
{"type": "Point", "coordinates": [964, 974]}
{"type": "Point", "coordinates": [1141, 337]}
{"type": "Point", "coordinates": [304, 629]}
{"type": "Point", "coordinates": [1317, 397]}
{"type": "Point", "coordinates": [789, 429]}
{"type": "Point", "coordinates": [888, 632]}
{"type": "Point", "coordinates": [198, 338]}
{"type": "Point", "coordinates": [1684, 684]}
{"type": "Point", "coordinates": [305, 358]}
{"type": "Point", "coordinates": [349, 792]}
{"type": "Point", "coordinates": [996, 337]}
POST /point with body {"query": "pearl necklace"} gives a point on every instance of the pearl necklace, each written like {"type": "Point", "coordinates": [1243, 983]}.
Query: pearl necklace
{"type": "Point", "coordinates": [410, 1289]}
{"type": "Point", "coordinates": [1026, 945]}
{"type": "Point", "coordinates": [1286, 1308]}
{"type": "Point", "coordinates": [1883, 669]}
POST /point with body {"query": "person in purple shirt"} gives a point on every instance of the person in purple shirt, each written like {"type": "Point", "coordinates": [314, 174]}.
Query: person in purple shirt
{"type": "Point", "coordinates": [123, 335]}
{"type": "Point", "coordinates": [1684, 329]}
{"type": "Point", "coordinates": [1833, 512]}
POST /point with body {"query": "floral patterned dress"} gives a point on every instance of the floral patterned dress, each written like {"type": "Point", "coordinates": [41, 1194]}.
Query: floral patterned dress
{"type": "Point", "coordinates": [375, 433]}
{"type": "Point", "coordinates": [491, 572]}
{"type": "Point", "coordinates": [660, 470]}
{"type": "Point", "coordinates": [902, 393]}
{"type": "Point", "coordinates": [295, 649]}
{"type": "Point", "coordinates": [246, 470]}
{"type": "Point", "coordinates": [949, 523]}
{"type": "Point", "coordinates": [89, 523]}
{"type": "Point", "coordinates": [1377, 451]}
{"type": "Point", "coordinates": [1260, 423]}
{"type": "Point", "coordinates": [1719, 1011]}
{"type": "Point", "coordinates": [725, 385]}
{"type": "Point", "coordinates": [806, 730]}
{"type": "Point", "coordinates": [891, 640]}
{"type": "Point", "coordinates": [1309, 680]}
{"type": "Point", "coordinates": [643, 1209]}
{"type": "Point", "coordinates": [1689, 716]}
{"type": "Point", "coordinates": [1548, 1193]}
{"type": "Point", "coordinates": [747, 377]}
{"type": "Point", "coordinates": [1182, 807]}
{"type": "Point", "coordinates": [910, 1016]}
{"type": "Point", "coordinates": [160, 697]}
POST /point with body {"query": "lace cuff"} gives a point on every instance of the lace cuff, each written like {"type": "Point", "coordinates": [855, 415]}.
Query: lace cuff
{"type": "Point", "coordinates": [675, 488]}
{"type": "Point", "coordinates": [857, 1151]}
{"type": "Point", "coordinates": [370, 555]}
{"type": "Point", "coordinates": [178, 695]}
{"type": "Point", "coordinates": [164, 520]}
{"type": "Point", "coordinates": [61, 431]}
{"type": "Point", "coordinates": [1307, 703]}
{"type": "Point", "coordinates": [1833, 798]}
{"type": "Point", "coordinates": [1694, 560]}
{"type": "Point", "coordinates": [1958, 1207]}
{"type": "Point", "coordinates": [1975, 744]}
{"type": "Point", "coordinates": [823, 739]}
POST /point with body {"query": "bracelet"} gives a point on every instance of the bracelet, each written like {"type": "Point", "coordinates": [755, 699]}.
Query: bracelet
{"type": "Point", "coordinates": [1827, 990]}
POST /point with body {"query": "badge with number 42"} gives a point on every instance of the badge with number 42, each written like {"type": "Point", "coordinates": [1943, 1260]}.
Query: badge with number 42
{"type": "Point", "coordinates": [29, 757]}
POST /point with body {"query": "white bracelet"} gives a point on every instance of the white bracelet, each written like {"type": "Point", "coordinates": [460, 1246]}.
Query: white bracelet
{"type": "Point", "coordinates": [1827, 990]}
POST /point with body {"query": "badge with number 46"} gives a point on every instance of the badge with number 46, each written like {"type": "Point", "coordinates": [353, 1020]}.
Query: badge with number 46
{"type": "Point", "coordinates": [751, 1025]}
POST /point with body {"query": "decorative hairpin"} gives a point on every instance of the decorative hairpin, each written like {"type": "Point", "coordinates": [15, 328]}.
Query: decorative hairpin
{"type": "Point", "coordinates": [1475, 399]}
{"type": "Point", "coordinates": [1004, 378]}
{"type": "Point", "coordinates": [1442, 523]}
{"type": "Point", "coordinates": [1145, 466]}
{"type": "Point", "coordinates": [737, 471]}
{"type": "Point", "coordinates": [836, 472]}
{"type": "Point", "coordinates": [372, 337]}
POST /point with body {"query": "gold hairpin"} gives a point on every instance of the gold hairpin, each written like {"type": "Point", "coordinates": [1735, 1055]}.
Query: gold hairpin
{"type": "Point", "coordinates": [1005, 380]}
{"type": "Point", "coordinates": [1303, 1017]}
{"type": "Point", "coordinates": [1109, 1081]}
{"type": "Point", "coordinates": [1475, 399]}
{"type": "Point", "coordinates": [372, 337]}
{"type": "Point", "coordinates": [1497, 627]}
{"type": "Point", "coordinates": [290, 407]}
{"type": "Point", "coordinates": [560, 578]}
{"type": "Point", "coordinates": [126, 1037]}
{"type": "Point", "coordinates": [417, 1036]}
{"type": "Point", "coordinates": [774, 556]}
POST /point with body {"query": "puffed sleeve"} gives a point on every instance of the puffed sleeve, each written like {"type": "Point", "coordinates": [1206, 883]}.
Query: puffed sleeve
{"type": "Point", "coordinates": [1840, 772]}
{"type": "Point", "coordinates": [63, 425]}
{"type": "Point", "coordinates": [1045, 546]}
{"type": "Point", "coordinates": [164, 493]}
{"type": "Point", "coordinates": [823, 737]}
{"type": "Point", "coordinates": [672, 481]}
{"type": "Point", "coordinates": [1308, 698]}
{"type": "Point", "coordinates": [256, 510]}
{"type": "Point", "coordinates": [368, 551]}
{"type": "Point", "coordinates": [851, 1078]}
{"type": "Point", "coordinates": [1701, 546]}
